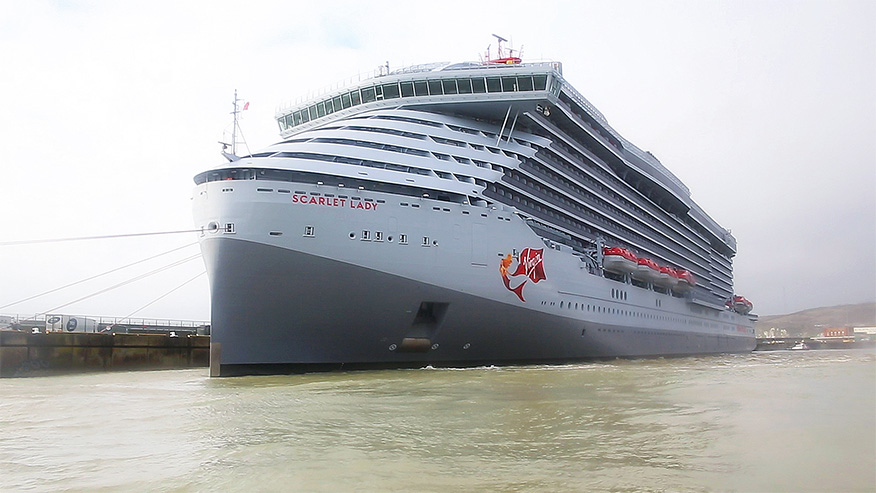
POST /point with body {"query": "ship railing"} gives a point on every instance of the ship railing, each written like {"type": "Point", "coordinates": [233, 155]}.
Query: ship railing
{"type": "Point", "coordinates": [101, 321]}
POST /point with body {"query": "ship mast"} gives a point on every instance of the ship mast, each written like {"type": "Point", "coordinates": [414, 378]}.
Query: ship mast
{"type": "Point", "coordinates": [232, 156]}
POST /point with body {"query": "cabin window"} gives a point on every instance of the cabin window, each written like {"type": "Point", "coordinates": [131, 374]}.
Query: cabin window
{"type": "Point", "coordinates": [449, 86]}
{"type": "Point", "coordinates": [524, 83]}
{"type": "Point", "coordinates": [509, 84]}
{"type": "Point", "coordinates": [356, 98]}
{"type": "Point", "coordinates": [407, 89]}
{"type": "Point", "coordinates": [435, 87]}
{"type": "Point", "coordinates": [464, 86]}
{"type": "Point", "coordinates": [494, 84]}
{"type": "Point", "coordinates": [478, 85]}
{"type": "Point", "coordinates": [368, 94]}
{"type": "Point", "coordinates": [345, 100]}
{"type": "Point", "coordinates": [320, 109]}
{"type": "Point", "coordinates": [313, 114]}
{"type": "Point", "coordinates": [555, 87]}
{"type": "Point", "coordinates": [390, 91]}
{"type": "Point", "coordinates": [540, 82]}
{"type": "Point", "coordinates": [421, 88]}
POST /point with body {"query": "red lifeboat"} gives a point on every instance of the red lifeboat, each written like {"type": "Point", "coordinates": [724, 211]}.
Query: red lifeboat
{"type": "Point", "coordinates": [686, 280]}
{"type": "Point", "coordinates": [668, 278]}
{"type": "Point", "coordinates": [646, 270]}
{"type": "Point", "coordinates": [741, 305]}
{"type": "Point", "coordinates": [617, 259]}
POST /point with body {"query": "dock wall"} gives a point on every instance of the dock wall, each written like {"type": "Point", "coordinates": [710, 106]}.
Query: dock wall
{"type": "Point", "coordinates": [24, 354]}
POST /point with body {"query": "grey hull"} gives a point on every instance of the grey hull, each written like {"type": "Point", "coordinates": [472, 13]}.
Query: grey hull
{"type": "Point", "coordinates": [277, 310]}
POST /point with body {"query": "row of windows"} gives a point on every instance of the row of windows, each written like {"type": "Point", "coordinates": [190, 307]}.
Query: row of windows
{"type": "Point", "coordinates": [416, 88]}
{"type": "Point", "coordinates": [335, 181]}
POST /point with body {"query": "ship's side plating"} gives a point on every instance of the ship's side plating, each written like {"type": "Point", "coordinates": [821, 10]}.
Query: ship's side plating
{"type": "Point", "coordinates": [453, 229]}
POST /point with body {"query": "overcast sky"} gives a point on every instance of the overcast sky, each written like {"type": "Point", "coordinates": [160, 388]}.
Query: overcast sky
{"type": "Point", "coordinates": [765, 109]}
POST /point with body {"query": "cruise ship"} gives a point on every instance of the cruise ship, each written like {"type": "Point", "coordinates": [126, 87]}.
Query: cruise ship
{"type": "Point", "coordinates": [453, 215]}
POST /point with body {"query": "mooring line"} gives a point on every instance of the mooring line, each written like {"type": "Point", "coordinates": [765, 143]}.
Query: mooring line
{"type": "Point", "coordinates": [103, 237]}
{"type": "Point", "coordinates": [95, 276]}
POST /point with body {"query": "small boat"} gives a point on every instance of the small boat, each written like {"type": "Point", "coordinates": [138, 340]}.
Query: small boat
{"type": "Point", "coordinates": [646, 270]}
{"type": "Point", "coordinates": [686, 280]}
{"type": "Point", "coordinates": [741, 305]}
{"type": "Point", "coordinates": [618, 260]}
{"type": "Point", "coordinates": [667, 278]}
{"type": "Point", "coordinates": [799, 346]}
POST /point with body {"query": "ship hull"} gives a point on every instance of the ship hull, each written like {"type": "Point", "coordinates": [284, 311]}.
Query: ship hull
{"type": "Point", "coordinates": [302, 306]}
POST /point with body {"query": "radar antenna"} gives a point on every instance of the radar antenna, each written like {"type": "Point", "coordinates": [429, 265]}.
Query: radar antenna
{"type": "Point", "coordinates": [501, 56]}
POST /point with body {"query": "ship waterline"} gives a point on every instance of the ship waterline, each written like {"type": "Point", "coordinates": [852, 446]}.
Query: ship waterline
{"type": "Point", "coordinates": [455, 229]}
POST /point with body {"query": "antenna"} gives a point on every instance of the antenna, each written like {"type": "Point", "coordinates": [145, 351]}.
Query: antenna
{"type": "Point", "coordinates": [232, 156]}
{"type": "Point", "coordinates": [501, 40]}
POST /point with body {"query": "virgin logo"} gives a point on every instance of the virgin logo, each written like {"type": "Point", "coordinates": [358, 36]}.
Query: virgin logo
{"type": "Point", "coordinates": [529, 265]}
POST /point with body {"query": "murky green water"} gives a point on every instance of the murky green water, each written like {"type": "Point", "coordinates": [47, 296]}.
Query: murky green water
{"type": "Point", "coordinates": [782, 421]}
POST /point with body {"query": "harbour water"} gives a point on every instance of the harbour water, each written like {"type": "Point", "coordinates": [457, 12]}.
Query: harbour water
{"type": "Point", "coordinates": [774, 421]}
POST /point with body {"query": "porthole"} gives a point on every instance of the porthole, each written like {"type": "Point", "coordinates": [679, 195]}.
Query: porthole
{"type": "Point", "coordinates": [352, 235]}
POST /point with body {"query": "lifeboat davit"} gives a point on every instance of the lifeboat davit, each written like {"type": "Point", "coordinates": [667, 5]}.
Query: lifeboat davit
{"type": "Point", "coordinates": [646, 270]}
{"type": "Point", "coordinates": [741, 305]}
{"type": "Point", "coordinates": [686, 280]}
{"type": "Point", "coordinates": [668, 278]}
{"type": "Point", "coordinates": [618, 260]}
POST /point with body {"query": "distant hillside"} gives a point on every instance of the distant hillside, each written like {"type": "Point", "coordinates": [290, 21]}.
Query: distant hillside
{"type": "Point", "coordinates": [812, 322]}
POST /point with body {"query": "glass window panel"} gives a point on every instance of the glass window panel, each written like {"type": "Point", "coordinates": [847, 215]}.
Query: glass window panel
{"type": "Point", "coordinates": [305, 116]}
{"type": "Point", "coordinates": [420, 88]}
{"type": "Point", "coordinates": [390, 91]}
{"type": "Point", "coordinates": [540, 82]}
{"type": "Point", "coordinates": [329, 109]}
{"type": "Point", "coordinates": [320, 109]}
{"type": "Point", "coordinates": [524, 83]}
{"type": "Point", "coordinates": [378, 91]}
{"type": "Point", "coordinates": [357, 99]}
{"type": "Point", "coordinates": [368, 94]}
{"type": "Point", "coordinates": [464, 86]}
{"type": "Point", "coordinates": [435, 87]}
{"type": "Point", "coordinates": [345, 100]}
{"type": "Point", "coordinates": [449, 86]}
{"type": "Point", "coordinates": [282, 123]}
{"type": "Point", "coordinates": [477, 85]}
{"type": "Point", "coordinates": [407, 89]}
{"type": "Point", "coordinates": [493, 84]}
{"type": "Point", "coordinates": [312, 111]}
{"type": "Point", "coordinates": [289, 121]}
{"type": "Point", "coordinates": [509, 84]}
{"type": "Point", "coordinates": [336, 103]}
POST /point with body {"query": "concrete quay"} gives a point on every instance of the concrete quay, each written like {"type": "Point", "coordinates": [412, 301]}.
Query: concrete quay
{"type": "Point", "coordinates": [24, 354]}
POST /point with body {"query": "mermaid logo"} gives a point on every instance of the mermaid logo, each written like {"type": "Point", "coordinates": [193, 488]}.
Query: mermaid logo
{"type": "Point", "coordinates": [529, 264]}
